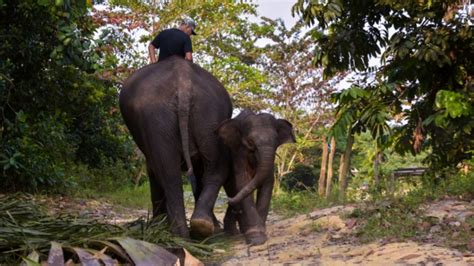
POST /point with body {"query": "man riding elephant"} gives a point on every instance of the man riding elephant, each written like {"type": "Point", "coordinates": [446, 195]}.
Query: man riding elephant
{"type": "Point", "coordinates": [174, 42]}
{"type": "Point", "coordinates": [178, 112]}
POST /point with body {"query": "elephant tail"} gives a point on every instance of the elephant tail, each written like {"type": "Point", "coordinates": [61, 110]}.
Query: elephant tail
{"type": "Point", "coordinates": [184, 105]}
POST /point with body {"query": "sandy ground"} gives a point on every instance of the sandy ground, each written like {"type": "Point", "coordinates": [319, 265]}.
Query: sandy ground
{"type": "Point", "coordinates": [322, 237]}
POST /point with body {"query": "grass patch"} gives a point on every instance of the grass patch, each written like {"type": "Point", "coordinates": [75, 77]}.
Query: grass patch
{"type": "Point", "coordinates": [131, 196]}
{"type": "Point", "coordinates": [387, 219]}
{"type": "Point", "coordinates": [291, 203]}
{"type": "Point", "coordinates": [128, 196]}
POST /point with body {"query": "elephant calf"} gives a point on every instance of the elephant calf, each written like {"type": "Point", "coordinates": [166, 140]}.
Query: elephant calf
{"type": "Point", "coordinates": [253, 140]}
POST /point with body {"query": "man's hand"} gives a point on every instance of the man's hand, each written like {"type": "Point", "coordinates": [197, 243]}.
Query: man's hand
{"type": "Point", "coordinates": [188, 56]}
{"type": "Point", "coordinates": [151, 53]}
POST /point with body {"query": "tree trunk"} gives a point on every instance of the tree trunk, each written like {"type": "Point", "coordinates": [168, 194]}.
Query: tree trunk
{"type": "Point", "coordinates": [345, 166]}
{"type": "Point", "coordinates": [330, 167]}
{"type": "Point", "coordinates": [322, 173]}
{"type": "Point", "coordinates": [341, 166]}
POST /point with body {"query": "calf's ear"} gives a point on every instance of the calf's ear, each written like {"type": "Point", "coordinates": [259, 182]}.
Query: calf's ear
{"type": "Point", "coordinates": [229, 132]}
{"type": "Point", "coordinates": [285, 132]}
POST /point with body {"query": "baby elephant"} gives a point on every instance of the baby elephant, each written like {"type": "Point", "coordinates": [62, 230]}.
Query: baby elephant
{"type": "Point", "coordinates": [253, 140]}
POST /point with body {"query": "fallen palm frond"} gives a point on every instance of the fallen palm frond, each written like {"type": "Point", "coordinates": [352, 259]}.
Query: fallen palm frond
{"type": "Point", "coordinates": [27, 233]}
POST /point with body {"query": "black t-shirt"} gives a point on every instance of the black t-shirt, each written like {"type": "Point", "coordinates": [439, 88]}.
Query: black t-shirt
{"type": "Point", "coordinates": [172, 42]}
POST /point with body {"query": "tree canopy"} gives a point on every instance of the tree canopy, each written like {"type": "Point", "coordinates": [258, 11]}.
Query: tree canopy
{"type": "Point", "coordinates": [424, 80]}
{"type": "Point", "coordinates": [55, 113]}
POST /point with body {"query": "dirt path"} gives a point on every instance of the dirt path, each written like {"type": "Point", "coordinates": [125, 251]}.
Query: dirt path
{"type": "Point", "coordinates": [320, 238]}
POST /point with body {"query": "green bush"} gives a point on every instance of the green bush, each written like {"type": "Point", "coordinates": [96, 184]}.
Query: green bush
{"type": "Point", "coordinates": [108, 177]}
{"type": "Point", "coordinates": [56, 112]}
{"type": "Point", "coordinates": [39, 157]}
{"type": "Point", "coordinates": [461, 185]}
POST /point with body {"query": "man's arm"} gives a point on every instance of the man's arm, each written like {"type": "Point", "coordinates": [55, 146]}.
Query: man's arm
{"type": "Point", "coordinates": [189, 56]}
{"type": "Point", "coordinates": [188, 49]}
{"type": "Point", "coordinates": [151, 53]}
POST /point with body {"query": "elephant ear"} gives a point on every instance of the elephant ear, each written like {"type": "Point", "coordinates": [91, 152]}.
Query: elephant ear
{"type": "Point", "coordinates": [229, 132]}
{"type": "Point", "coordinates": [285, 132]}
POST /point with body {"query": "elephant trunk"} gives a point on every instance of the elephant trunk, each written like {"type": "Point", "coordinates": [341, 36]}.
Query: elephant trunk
{"type": "Point", "coordinates": [264, 171]}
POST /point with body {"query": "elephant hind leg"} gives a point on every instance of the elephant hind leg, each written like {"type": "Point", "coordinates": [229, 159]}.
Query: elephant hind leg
{"type": "Point", "coordinates": [164, 163]}
{"type": "Point", "coordinates": [158, 198]}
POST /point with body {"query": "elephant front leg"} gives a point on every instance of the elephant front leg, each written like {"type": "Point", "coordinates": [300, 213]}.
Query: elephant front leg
{"type": "Point", "coordinates": [230, 221]}
{"type": "Point", "coordinates": [233, 216]}
{"type": "Point", "coordinates": [264, 196]}
{"type": "Point", "coordinates": [251, 223]}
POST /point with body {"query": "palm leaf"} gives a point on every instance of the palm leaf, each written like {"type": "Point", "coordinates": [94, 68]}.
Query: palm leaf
{"type": "Point", "coordinates": [26, 229]}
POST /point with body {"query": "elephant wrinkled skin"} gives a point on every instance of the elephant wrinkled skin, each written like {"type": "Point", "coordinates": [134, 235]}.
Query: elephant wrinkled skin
{"type": "Point", "coordinates": [172, 110]}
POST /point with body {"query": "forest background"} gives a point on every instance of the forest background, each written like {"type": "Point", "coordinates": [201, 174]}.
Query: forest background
{"type": "Point", "coordinates": [63, 62]}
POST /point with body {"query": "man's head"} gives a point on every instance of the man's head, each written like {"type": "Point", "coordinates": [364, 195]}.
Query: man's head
{"type": "Point", "coordinates": [188, 25]}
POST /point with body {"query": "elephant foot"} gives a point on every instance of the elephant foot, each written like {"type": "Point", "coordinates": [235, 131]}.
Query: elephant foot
{"type": "Point", "coordinates": [201, 227]}
{"type": "Point", "coordinates": [255, 237]}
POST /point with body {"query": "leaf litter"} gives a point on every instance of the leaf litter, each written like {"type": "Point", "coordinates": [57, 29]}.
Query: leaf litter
{"type": "Point", "coordinates": [30, 234]}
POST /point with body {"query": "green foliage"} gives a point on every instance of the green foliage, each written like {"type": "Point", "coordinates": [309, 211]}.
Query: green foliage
{"type": "Point", "coordinates": [364, 152]}
{"type": "Point", "coordinates": [289, 203]}
{"type": "Point", "coordinates": [425, 76]}
{"type": "Point", "coordinates": [460, 185]}
{"type": "Point", "coordinates": [107, 177]}
{"type": "Point", "coordinates": [345, 40]}
{"type": "Point", "coordinates": [356, 112]}
{"type": "Point", "coordinates": [25, 157]}
{"type": "Point", "coordinates": [54, 112]}
{"type": "Point", "coordinates": [451, 105]}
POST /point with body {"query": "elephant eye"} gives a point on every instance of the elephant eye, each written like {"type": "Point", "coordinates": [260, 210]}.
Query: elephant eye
{"type": "Point", "coordinates": [249, 144]}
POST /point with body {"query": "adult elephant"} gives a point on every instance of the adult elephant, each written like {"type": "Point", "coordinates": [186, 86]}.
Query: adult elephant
{"type": "Point", "coordinates": [172, 110]}
{"type": "Point", "coordinates": [253, 140]}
